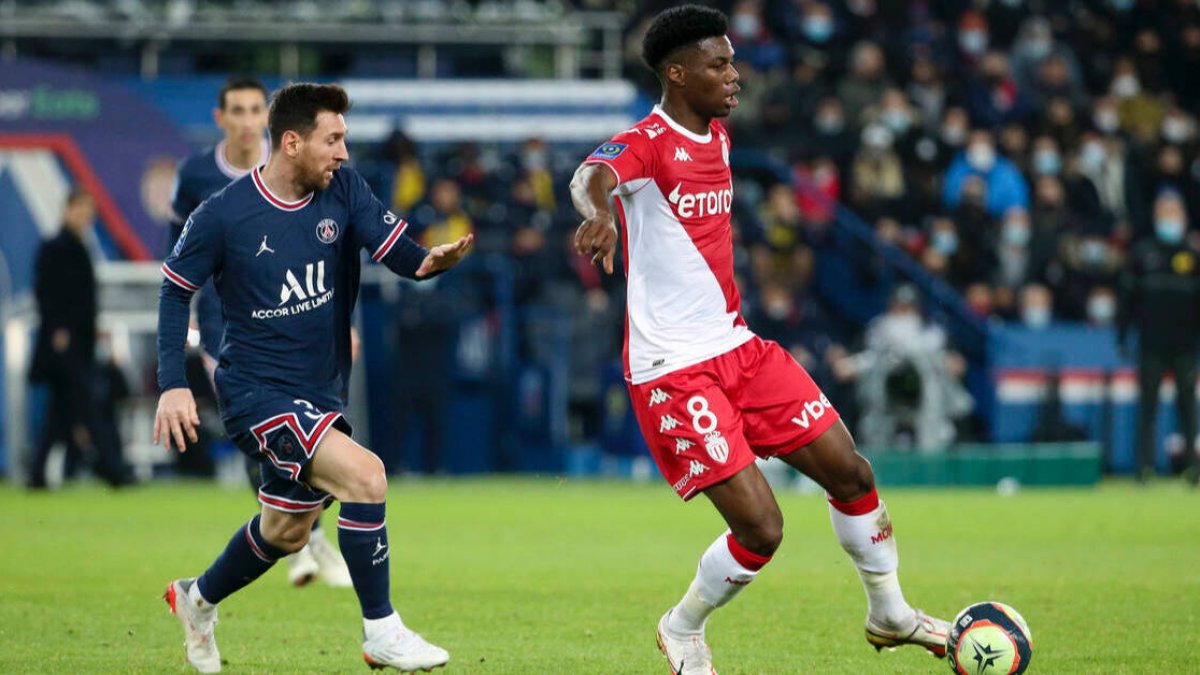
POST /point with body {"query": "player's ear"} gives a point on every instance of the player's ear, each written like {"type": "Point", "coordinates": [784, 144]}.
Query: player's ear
{"type": "Point", "coordinates": [674, 73]}
{"type": "Point", "coordinates": [290, 143]}
{"type": "Point", "coordinates": [217, 116]}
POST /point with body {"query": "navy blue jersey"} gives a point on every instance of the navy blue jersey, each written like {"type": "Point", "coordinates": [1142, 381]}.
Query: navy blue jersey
{"type": "Point", "coordinates": [198, 178]}
{"type": "Point", "coordinates": [287, 276]}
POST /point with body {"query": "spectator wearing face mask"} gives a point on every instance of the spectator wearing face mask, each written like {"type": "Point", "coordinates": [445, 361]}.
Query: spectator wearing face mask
{"type": "Point", "coordinates": [993, 97]}
{"type": "Point", "coordinates": [1005, 186]}
{"type": "Point", "coordinates": [1103, 188]}
{"type": "Point", "coordinates": [1045, 158]}
{"type": "Point", "coordinates": [1083, 263]}
{"type": "Point", "coordinates": [1036, 309]}
{"type": "Point", "coordinates": [877, 183]}
{"type": "Point", "coordinates": [1017, 264]}
{"type": "Point", "coordinates": [1160, 301]}
{"type": "Point", "coordinates": [1034, 49]}
{"type": "Point", "coordinates": [867, 79]}
{"type": "Point", "coordinates": [1102, 307]}
{"type": "Point", "coordinates": [1140, 113]}
{"type": "Point", "coordinates": [1170, 172]}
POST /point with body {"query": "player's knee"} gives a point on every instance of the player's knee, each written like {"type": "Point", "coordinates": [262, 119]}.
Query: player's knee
{"type": "Point", "coordinates": [854, 481]}
{"type": "Point", "coordinates": [290, 536]}
{"type": "Point", "coordinates": [369, 485]}
{"type": "Point", "coordinates": [762, 537]}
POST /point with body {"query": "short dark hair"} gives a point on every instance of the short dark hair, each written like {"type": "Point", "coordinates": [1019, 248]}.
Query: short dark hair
{"type": "Point", "coordinates": [295, 107]}
{"type": "Point", "coordinates": [236, 84]}
{"type": "Point", "coordinates": [680, 27]}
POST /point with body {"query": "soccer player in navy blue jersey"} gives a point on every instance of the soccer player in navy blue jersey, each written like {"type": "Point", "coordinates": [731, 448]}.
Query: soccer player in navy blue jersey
{"type": "Point", "coordinates": [282, 246]}
{"type": "Point", "coordinates": [241, 114]}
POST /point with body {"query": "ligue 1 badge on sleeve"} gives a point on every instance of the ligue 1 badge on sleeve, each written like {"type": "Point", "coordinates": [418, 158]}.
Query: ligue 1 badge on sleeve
{"type": "Point", "coordinates": [327, 231]}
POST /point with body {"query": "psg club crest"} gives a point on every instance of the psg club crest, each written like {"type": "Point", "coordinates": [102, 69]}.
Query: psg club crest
{"type": "Point", "coordinates": [327, 231]}
{"type": "Point", "coordinates": [284, 447]}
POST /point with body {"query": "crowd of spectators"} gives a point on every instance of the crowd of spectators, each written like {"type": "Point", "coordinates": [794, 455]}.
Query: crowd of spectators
{"type": "Point", "coordinates": [1013, 148]}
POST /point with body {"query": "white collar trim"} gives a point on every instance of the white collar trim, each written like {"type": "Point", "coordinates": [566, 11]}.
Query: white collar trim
{"type": "Point", "coordinates": [231, 171]}
{"type": "Point", "coordinates": [680, 128]}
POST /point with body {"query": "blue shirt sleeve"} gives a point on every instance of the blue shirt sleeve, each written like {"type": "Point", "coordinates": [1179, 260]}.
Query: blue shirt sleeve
{"type": "Point", "coordinates": [195, 258]}
{"type": "Point", "coordinates": [380, 232]}
{"type": "Point", "coordinates": [183, 202]}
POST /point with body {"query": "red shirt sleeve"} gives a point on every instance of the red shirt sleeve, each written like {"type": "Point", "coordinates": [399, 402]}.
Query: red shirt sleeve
{"type": "Point", "coordinates": [629, 155]}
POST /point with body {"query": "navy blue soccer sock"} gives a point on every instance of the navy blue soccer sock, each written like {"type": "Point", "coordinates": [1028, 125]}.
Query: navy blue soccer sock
{"type": "Point", "coordinates": [362, 536]}
{"type": "Point", "coordinates": [245, 558]}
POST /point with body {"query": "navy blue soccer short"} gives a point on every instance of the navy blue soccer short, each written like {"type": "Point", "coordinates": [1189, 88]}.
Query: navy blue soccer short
{"type": "Point", "coordinates": [282, 434]}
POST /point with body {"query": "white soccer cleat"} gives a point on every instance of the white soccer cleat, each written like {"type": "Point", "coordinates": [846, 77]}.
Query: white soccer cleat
{"type": "Point", "coordinates": [925, 631]}
{"type": "Point", "coordinates": [302, 567]}
{"type": "Point", "coordinates": [403, 650]}
{"type": "Point", "coordinates": [198, 624]}
{"type": "Point", "coordinates": [687, 655]}
{"type": "Point", "coordinates": [333, 570]}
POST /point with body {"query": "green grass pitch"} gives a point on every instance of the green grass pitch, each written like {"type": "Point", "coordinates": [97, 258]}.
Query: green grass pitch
{"type": "Point", "coordinates": [551, 576]}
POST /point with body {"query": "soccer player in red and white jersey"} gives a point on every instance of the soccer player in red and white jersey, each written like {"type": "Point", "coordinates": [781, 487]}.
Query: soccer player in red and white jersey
{"type": "Point", "coordinates": [710, 396]}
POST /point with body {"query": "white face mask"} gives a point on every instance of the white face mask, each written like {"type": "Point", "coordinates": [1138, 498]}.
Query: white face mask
{"type": "Point", "coordinates": [1035, 317]}
{"type": "Point", "coordinates": [1037, 48]}
{"type": "Point", "coordinates": [1101, 309]}
{"type": "Point", "coordinates": [1125, 86]}
{"type": "Point", "coordinates": [1015, 234]}
{"type": "Point", "coordinates": [1176, 130]}
{"type": "Point", "coordinates": [954, 135]}
{"type": "Point", "coordinates": [1093, 156]}
{"type": "Point", "coordinates": [1106, 120]}
{"type": "Point", "coordinates": [746, 26]}
{"type": "Point", "coordinates": [973, 42]}
{"type": "Point", "coordinates": [896, 119]}
{"type": "Point", "coordinates": [981, 157]}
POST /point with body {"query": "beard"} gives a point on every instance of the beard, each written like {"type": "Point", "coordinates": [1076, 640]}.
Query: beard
{"type": "Point", "coordinates": [312, 180]}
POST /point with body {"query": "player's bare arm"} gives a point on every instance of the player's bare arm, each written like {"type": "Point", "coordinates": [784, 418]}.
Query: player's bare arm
{"type": "Point", "coordinates": [597, 234]}
{"type": "Point", "coordinates": [175, 418]}
{"type": "Point", "coordinates": [444, 257]}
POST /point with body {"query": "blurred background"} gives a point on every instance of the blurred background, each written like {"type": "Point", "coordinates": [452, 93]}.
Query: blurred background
{"type": "Point", "coordinates": [968, 219]}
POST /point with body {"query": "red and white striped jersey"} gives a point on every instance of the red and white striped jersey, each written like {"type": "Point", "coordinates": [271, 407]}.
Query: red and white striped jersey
{"type": "Point", "coordinates": [674, 195]}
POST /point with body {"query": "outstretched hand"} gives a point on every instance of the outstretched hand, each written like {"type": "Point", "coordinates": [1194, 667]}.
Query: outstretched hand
{"type": "Point", "coordinates": [445, 256]}
{"type": "Point", "coordinates": [597, 237]}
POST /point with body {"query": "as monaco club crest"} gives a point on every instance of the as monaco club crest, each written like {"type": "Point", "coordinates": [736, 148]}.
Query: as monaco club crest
{"type": "Point", "coordinates": [717, 447]}
{"type": "Point", "coordinates": [327, 231]}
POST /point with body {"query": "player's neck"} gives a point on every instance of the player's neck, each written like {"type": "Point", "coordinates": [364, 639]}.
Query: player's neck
{"type": "Point", "coordinates": [281, 180]}
{"type": "Point", "coordinates": [243, 158]}
{"type": "Point", "coordinates": [684, 116]}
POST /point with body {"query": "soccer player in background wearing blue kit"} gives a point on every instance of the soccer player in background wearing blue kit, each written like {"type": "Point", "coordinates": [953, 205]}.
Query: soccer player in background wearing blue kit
{"type": "Point", "coordinates": [241, 114]}
{"type": "Point", "coordinates": [282, 247]}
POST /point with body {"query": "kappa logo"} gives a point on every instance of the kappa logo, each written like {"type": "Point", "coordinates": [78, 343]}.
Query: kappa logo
{"type": "Point", "coordinates": [263, 248]}
{"type": "Point", "coordinates": [667, 423]}
{"type": "Point", "coordinates": [717, 447]}
{"type": "Point", "coordinates": [701, 204]}
{"type": "Point", "coordinates": [694, 469]}
{"type": "Point", "coordinates": [681, 155]}
{"type": "Point", "coordinates": [658, 396]}
{"type": "Point", "coordinates": [291, 286]}
{"type": "Point", "coordinates": [725, 149]}
{"type": "Point", "coordinates": [681, 445]}
{"type": "Point", "coordinates": [813, 410]}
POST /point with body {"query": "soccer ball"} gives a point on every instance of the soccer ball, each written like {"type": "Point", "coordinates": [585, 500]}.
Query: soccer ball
{"type": "Point", "coordinates": [989, 638]}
